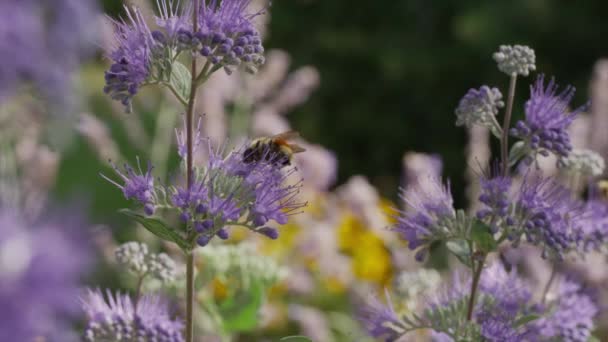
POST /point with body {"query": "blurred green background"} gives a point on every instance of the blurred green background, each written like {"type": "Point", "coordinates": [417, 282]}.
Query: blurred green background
{"type": "Point", "coordinates": [392, 73]}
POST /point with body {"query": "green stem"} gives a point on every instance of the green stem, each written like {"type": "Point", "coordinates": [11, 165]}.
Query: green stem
{"type": "Point", "coordinates": [504, 142]}
{"type": "Point", "coordinates": [189, 163]}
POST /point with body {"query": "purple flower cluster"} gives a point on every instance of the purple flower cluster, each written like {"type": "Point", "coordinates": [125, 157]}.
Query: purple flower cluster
{"type": "Point", "coordinates": [132, 58]}
{"type": "Point", "coordinates": [428, 215]}
{"type": "Point", "coordinates": [229, 189]}
{"type": "Point", "coordinates": [41, 263]}
{"type": "Point", "coordinates": [226, 36]}
{"type": "Point", "coordinates": [226, 191]}
{"type": "Point", "coordinates": [570, 316]}
{"type": "Point", "coordinates": [115, 318]}
{"type": "Point", "coordinates": [495, 197]}
{"type": "Point", "coordinates": [547, 119]}
{"type": "Point", "coordinates": [545, 213]}
{"type": "Point", "coordinates": [43, 43]}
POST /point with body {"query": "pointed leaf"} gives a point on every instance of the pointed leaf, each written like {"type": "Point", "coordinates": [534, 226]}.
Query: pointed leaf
{"type": "Point", "coordinates": [158, 228]}
{"type": "Point", "coordinates": [460, 248]}
{"type": "Point", "coordinates": [180, 79]}
{"type": "Point", "coordinates": [295, 338]}
{"type": "Point", "coordinates": [525, 320]}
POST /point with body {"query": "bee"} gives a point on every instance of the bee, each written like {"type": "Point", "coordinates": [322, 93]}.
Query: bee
{"type": "Point", "coordinates": [602, 187]}
{"type": "Point", "coordinates": [275, 149]}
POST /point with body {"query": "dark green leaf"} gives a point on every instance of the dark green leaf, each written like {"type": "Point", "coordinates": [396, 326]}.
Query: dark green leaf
{"type": "Point", "coordinates": [240, 312]}
{"type": "Point", "coordinates": [525, 320]}
{"type": "Point", "coordinates": [482, 236]}
{"type": "Point", "coordinates": [297, 338]}
{"type": "Point", "coordinates": [460, 248]}
{"type": "Point", "coordinates": [158, 228]}
{"type": "Point", "coordinates": [180, 79]}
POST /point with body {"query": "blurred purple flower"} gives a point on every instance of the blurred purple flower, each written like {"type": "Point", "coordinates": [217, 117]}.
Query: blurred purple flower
{"type": "Point", "coordinates": [570, 316]}
{"type": "Point", "coordinates": [114, 318]}
{"type": "Point", "coordinates": [381, 321]}
{"type": "Point", "coordinates": [547, 119]}
{"type": "Point", "coordinates": [43, 43]}
{"type": "Point", "coordinates": [593, 226]}
{"type": "Point", "coordinates": [41, 263]}
{"type": "Point", "coordinates": [545, 214]}
{"type": "Point", "coordinates": [420, 225]}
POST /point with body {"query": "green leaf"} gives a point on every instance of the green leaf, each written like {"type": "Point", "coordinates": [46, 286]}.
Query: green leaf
{"type": "Point", "coordinates": [158, 228]}
{"type": "Point", "coordinates": [180, 80]}
{"type": "Point", "coordinates": [460, 248]}
{"type": "Point", "coordinates": [296, 338]}
{"type": "Point", "coordinates": [483, 237]}
{"type": "Point", "coordinates": [240, 312]}
{"type": "Point", "coordinates": [593, 339]}
{"type": "Point", "coordinates": [525, 320]}
{"type": "Point", "coordinates": [518, 151]}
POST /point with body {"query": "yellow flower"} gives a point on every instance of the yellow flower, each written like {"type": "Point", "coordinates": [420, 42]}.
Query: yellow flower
{"type": "Point", "coordinates": [371, 260]}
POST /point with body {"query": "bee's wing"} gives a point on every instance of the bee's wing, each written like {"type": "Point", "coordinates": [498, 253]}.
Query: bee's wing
{"type": "Point", "coordinates": [296, 148]}
{"type": "Point", "coordinates": [286, 135]}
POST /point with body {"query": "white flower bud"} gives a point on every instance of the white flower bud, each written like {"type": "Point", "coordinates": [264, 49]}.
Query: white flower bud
{"type": "Point", "coordinates": [583, 161]}
{"type": "Point", "coordinates": [515, 60]}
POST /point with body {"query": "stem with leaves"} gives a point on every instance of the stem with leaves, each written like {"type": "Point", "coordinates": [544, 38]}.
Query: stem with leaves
{"type": "Point", "coordinates": [477, 267]}
{"type": "Point", "coordinates": [189, 175]}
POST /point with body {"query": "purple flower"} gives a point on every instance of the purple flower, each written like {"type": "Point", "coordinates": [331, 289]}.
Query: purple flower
{"type": "Point", "coordinates": [182, 148]}
{"type": "Point", "coordinates": [137, 184]}
{"type": "Point", "coordinates": [43, 43]}
{"type": "Point", "coordinates": [41, 264]}
{"type": "Point", "coordinates": [480, 107]}
{"type": "Point", "coordinates": [570, 316]}
{"type": "Point", "coordinates": [228, 36]}
{"type": "Point", "coordinates": [114, 318]}
{"type": "Point", "coordinates": [495, 197]}
{"type": "Point", "coordinates": [381, 321]}
{"type": "Point", "coordinates": [495, 329]}
{"type": "Point", "coordinates": [545, 128]}
{"type": "Point", "coordinates": [509, 292]}
{"type": "Point", "coordinates": [545, 213]}
{"type": "Point", "coordinates": [229, 191]}
{"type": "Point", "coordinates": [132, 58]}
{"type": "Point", "coordinates": [424, 220]}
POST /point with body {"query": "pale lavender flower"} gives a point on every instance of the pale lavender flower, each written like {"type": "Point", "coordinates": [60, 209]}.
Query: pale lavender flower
{"type": "Point", "coordinates": [545, 128]}
{"type": "Point", "coordinates": [41, 263]}
{"type": "Point", "coordinates": [570, 316]}
{"type": "Point", "coordinates": [593, 226]}
{"type": "Point", "coordinates": [115, 318]}
{"type": "Point", "coordinates": [430, 209]}
{"type": "Point", "coordinates": [480, 107]}
{"type": "Point", "coordinates": [545, 213]}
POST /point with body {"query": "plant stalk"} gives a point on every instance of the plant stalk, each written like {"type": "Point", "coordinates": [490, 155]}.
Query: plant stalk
{"type": "Point", "coordinates": [189, 175]}
{"type": "Point", "coordinates": [474, 286]}
{"type": "Point", "coordinates": [549, 282]}
{"type": "Point", "coordinates": [504, 142]}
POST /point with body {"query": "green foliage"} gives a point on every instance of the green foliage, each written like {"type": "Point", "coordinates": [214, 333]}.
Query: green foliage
{"type": "Point", "coordinates": [295, 338]}
{"type": "Point", "coordinates": [240, 312]}
{"type": "Point", "coordinates": [180, 80]}
{"type": "Point", "coordinates": [158, 228]}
